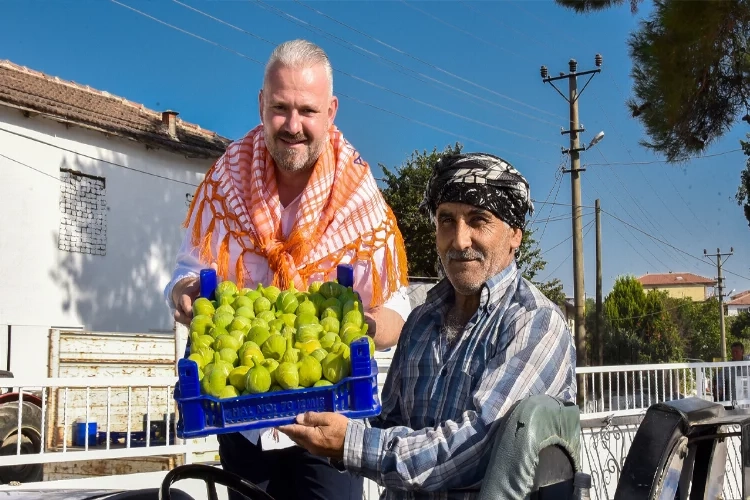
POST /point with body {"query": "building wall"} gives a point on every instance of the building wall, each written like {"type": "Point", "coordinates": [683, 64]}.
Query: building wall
{"type": "Point", "coordinates": [694, 292]}
{"type": "Point", "coordinates": [735, 310]}
{"type": "Point", "coordinates": [108, 276]}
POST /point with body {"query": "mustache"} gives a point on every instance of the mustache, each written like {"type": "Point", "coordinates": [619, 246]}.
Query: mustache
{"type": "Point", "coordinates": [468, 254]}
{"type": "Point", "coordinates": [291, 138]}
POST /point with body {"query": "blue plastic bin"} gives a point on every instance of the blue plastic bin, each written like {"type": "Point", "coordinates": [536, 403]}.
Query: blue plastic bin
{"type": "Point", "coordinates": [201, 415]}
{"type": "Point", "coordinates": [79, 433]}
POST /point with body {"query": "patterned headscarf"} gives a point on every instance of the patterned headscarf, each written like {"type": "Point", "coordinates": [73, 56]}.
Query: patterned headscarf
{"type": "Point", "coordinates": [482, 180]}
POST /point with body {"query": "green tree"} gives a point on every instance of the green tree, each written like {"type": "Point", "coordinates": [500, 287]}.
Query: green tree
{"type": "Point", "coordinates": [530, 262]}
{"type": "Point", "coordinates": [691, 74]}
{"type": "Point", "coordinates": [740, 327]}
{"type": "Point", "coordinates": [638, 328]}
{"type": "Point", "coordinates": [698, 324]}
{"type": "Point", "coordinates": [404, 191]}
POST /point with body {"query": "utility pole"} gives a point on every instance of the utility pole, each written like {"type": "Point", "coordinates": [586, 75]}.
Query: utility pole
{"type": "Point", "coordinates": [575, 185]}
{"type": "Point", "coordinates": [720, 286]}
{"type": "Point", "coordinates": [599, 305]}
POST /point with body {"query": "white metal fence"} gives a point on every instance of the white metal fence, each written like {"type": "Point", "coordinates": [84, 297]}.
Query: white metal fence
{"type": "Point", "coordinates": [134, 416]}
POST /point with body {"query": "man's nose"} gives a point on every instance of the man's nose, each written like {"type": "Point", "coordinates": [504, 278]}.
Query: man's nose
{"type": "Point", "coordinates": [462, 241]}
{"type": "Point", "coordinates": [293, 124]}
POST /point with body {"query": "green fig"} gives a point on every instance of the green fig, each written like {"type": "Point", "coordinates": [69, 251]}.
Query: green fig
{"type": "Point", "coordinates": [225, 300]}
{"type": "Point", "coordinates": [308, 332]}
{"type": "Point", "coordinates": [203, 307]}
{"type": "Point", "coordinates": [335, 367]}
{"type": "Point", "coordinates": [261, 304]}
{"type": "Point", "coordinates": [271, 293]}
{"type": "Point", "coordinates": [240, 323]}
{"type": "Point", "coordinates": [354, 316]}
{"type": "Point", "coordinates": [330, 289]}
{"type": "Point", "coordinates": [307, 307]}
{"type": "Point", "coordinates": [228, 392]}
{"type": "Point", "coordinates": [240, 336]}
{"type": "Point", "coordinates": [330, 324]}
{"type": "Point", "coordinates": [229, 355]}
{"type": "Point", "coordinates": [267, 316]}
{"type": "Point", "coordinates": [200, 324]}
{"type": "Point", "coordinates": [274, 347]}
{"type": "Point", "coordinates": [258, 379]}
{"type": "Point", "coordinates": [241, 301]}
{"type": "Point", "coordinates": [288, 319]}
{"type": "Point", "coordinates": [328, 339]}
{"type": "Point", "coordinates": [322, 383]}
{"type": "Point", "coordinates": [199, 360]}
{"type": "Point", "coordinates": [226, 287]}
{"type": "Point", "coordinates": [237, 377]}
{"type": "Point", "coordinates": [227, 341]}
{"type": "Point", "coordinates": [287, 301]}
{"type": "Point", "coordinates": [276, 325]}
{"type": "Point", "coordinates": [291, 354]}
{"type": "Point", "coordinates": [287, 375]}
{"type": "Point", "coordinates": [251, 347]}
{"type": "Point", "coordinates": [314, 286]}
{"type": "Point", "coordinates": [245, 312]}
{"type": "Point", "coordinates": [223, 319]}
{"type": "Point", "coordinates": [258, 334]}
{"type": "Point", "coordinates": [319, 354]}
{"type": "Point", "coordinates": [310, 371]}
{"type": "Point", "coordinates": [308, 346]}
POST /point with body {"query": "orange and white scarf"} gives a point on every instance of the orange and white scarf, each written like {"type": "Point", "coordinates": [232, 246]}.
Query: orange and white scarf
{"type": "Point", "coordinates": [341, 212]}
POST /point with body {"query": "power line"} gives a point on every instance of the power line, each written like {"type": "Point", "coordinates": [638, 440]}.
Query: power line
{"type": "Point", "coordinates": [549, 275]}
{"type": "Point", "coordinates": [29, 166]}
{"type": "Point", "coordinates": [490, 43]}
{"type": "Point", "coordinates": [348, 45]}
{"type": "Point", "coordinates": [283, 14]}
{"type": "Point", "coordinates": [649, 184]}
{"type": "Point", "coordinates": [108, 162]}
{"type": "Point", "coordinates": [670, 245]}
{"type": "Point", "coordinates": [468, 139]}
{"type": "Point", "coordinates": [646, 218]}
{"type": "Point", "coordinates": [689, 158]}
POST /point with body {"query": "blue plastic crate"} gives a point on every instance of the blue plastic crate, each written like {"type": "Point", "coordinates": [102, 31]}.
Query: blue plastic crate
{"type": "Point", "coordinates": [201, 415]}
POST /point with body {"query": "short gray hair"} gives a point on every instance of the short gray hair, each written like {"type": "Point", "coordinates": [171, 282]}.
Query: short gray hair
{"type": "Point", "coordinates": [300, 54]}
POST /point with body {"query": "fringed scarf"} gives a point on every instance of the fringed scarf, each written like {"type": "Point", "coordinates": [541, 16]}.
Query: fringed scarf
{"type": "Point", "coordinates": [341, 212]}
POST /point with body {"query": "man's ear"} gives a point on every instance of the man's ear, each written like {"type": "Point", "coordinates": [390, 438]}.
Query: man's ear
{"type": "Point", "coordinates": [260, 105]}
{"type": "Point", "coordinates": [515, 238]}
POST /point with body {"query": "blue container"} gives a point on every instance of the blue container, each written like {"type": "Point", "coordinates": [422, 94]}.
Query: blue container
{"type": "Point", "coordinates": [79, 433]}
{"type": "Point", "coordinates": [355, 396]}
{"type": "Point", "coordinates": [201, 415]}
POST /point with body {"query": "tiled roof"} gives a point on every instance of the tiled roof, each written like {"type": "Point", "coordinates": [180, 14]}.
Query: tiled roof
{"type": "Point", "coordinates": [665, 279]}
{"type": "Point", "coordinates": [740, 299]}
{"type": "Point", "coordinates": [69, 102]}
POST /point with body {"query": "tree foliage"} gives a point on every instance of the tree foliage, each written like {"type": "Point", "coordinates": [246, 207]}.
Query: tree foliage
{"type": "Point", "coordinates": [691, 74]}
{"type": "Point", "coordinates": [637, 326]}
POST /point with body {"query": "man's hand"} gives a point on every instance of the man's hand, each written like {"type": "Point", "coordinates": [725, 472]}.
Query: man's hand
{"type": "Point", "coordinates": [384, 326]}
{"type": "Point", "coordinates": [319, 433]}
{"type": "Point", "coordinates": [184, 294]}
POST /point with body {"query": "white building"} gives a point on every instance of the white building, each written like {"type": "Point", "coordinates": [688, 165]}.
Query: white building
{"type": "Point", "coordinates": [738, 303]}
{"type": "Point", "coordinates": [94, 192]}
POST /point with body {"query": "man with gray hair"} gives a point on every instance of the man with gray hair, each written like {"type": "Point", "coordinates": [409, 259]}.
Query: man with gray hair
{"type": "Point", "coordinates": [285, 205]}
{"type": "Point", "coordinates": [484, 339]}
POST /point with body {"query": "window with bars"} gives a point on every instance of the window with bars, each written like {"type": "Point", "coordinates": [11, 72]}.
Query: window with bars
{"type": "Point", "coordinates": [83, 213]}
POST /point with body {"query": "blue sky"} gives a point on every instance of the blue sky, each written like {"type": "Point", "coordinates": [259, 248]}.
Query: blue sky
{"type": "Point", "coordinates": [418, 75]}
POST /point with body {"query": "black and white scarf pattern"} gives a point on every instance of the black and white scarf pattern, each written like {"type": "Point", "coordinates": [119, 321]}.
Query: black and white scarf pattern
{"type": "Point", "coordinates": [482, 180]}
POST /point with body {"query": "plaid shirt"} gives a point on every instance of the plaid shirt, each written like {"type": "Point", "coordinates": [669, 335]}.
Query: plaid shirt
{"type": "Point", "coordinates": [442, 404]}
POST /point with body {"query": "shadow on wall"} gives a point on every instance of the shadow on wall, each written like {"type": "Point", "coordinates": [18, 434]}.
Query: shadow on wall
{"type": "Point", "coordinates": [115, 282]}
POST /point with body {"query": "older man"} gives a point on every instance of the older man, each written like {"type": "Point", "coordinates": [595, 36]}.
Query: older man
{"type": "Point", "coordinates": [484, 339]}
{"type": "Point", "coordinates": [285, 205]}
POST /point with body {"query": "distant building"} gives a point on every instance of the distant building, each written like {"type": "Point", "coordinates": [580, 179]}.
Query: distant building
{"type": "Point", "coordinates": [679, 285]}
{"type": "Point", "coordinates": [738, 303]}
